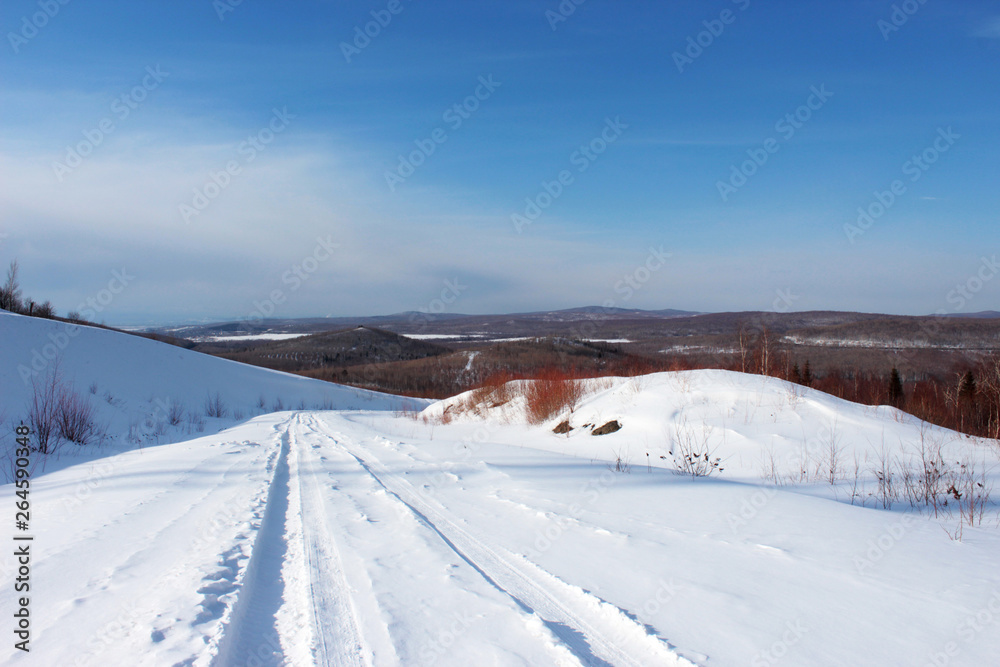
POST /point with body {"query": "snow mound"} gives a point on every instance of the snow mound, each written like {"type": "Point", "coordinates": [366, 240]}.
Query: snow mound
{"type": "Point", "coordinates": [753, 426]}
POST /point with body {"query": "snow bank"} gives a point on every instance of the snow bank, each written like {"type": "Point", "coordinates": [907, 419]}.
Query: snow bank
{"type": "Point", "coordinates": [758, 427]}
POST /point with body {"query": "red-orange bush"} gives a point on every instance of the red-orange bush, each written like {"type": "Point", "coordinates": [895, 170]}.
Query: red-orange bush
{"type": "Point", "coordinates": [551, 394]}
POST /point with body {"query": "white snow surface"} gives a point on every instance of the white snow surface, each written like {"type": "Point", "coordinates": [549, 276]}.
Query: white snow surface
{"type": "Point", "coordinates": [261, 336]}
{"type": "Point", "coordinates": [360, 535]}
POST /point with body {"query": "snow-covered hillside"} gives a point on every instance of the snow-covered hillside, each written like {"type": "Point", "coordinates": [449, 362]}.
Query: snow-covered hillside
{"type": "Point", "coordinates": [145, 392]}
{"type": "Point", "coordinates": [758, 428]}
{"type": "Point", "coordinates": [369, 535]}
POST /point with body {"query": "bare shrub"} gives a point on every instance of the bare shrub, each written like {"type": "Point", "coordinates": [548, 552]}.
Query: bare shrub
{"type": "Point", "coordinates": [933, 469]}
{"type": "Point", "coordinates": [621, 464]}
{"type": "Point", "coordinates": [175, 414]}
{"type": "Point", "coordinates": [549, 396]}
{"type": "Point", "coordinates": [955, 535]}
{"type": "Point", "coordinates": [834, 455]}
{"type": "Point", "coordinates": [885, 474]}
{"type": "Point", "coordinates": [134, 432]}
{"type": "Point", "coordinates": [215, 406]}
{"type": "Point", "coordinates": [74, 417]}
{"type": "Point", "coordinates": [770, 470]}
{"type": "Point", "coordinates": [42, 409]}
{"type": "Point", "coordinates": [195, 422]}
{"type": "Point", "coordinates": [857, 484]}
{"type": "Point", "coordinates": [496, 390]}
{"type": "Point", "coordinates": [971, 489]}
{"type": "Point", "coordinates": [924, 480]}
{"type": "Point", "coordinates": [691, 452]}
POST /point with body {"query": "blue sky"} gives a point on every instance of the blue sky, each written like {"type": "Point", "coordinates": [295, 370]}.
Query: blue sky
{"type": "Point", "coordinates": [261, 158]}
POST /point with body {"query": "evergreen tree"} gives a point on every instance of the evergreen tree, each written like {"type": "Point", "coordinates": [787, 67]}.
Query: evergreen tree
{"type": "Point", "coordinates": [796, 374]}
{"type": "Point", "coordinates": [807, 376]}
{"type": "Point", "coordinates": [895, 388]}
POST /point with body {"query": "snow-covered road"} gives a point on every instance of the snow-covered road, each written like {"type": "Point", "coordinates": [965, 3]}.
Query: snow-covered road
{"type": "Point", "coordinates": [544, 619]}
{"type": "Point", "coordinates": [364, 538]}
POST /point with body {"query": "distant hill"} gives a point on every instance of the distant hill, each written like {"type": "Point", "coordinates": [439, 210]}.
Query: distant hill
{"type": "Point", "coordinates": [414, 322]}
{"type": "Point", "coordinates": [345, 347]}
{"type": "Point", "coordinates": [982, 315]}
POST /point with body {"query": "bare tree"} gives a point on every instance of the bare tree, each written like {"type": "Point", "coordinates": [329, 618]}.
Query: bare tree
{"type": "Point", "coordinates": [744, 334]}
{"type": "Point", "coordinates": [10, 293]}
{"type": "Point", "coordinates": [765, 345]}
{"type": "Point", "coordinates": [990, 385]}
{"type": "Point", "coordinates": [45, 310]}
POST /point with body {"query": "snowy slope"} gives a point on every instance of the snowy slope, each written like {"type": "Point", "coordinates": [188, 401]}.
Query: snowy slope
{"type": "Point", "coordinates": [134, 383]}
{"type": "Point", "coordinates": [374, 537]}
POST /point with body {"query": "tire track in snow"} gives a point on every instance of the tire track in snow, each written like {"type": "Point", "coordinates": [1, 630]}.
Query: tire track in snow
{"type": "Point", "coordinates": [250, 630]}
{"type": "Point", "coordinates": [596, 632]}
{"type": "Point", "coordinates": [336, 638]}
